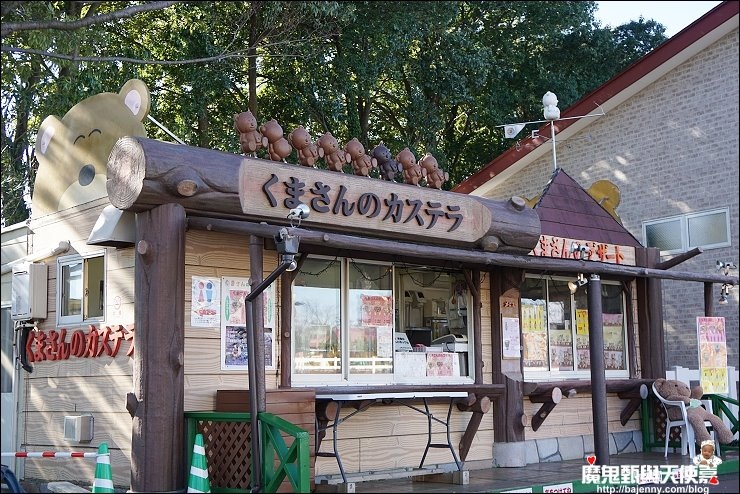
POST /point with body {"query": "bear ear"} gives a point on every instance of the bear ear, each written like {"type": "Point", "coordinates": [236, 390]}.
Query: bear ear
{"type": "Point", "coordinates": [49, 127]}
{"type": "Point", "coordinates": [136, 97]}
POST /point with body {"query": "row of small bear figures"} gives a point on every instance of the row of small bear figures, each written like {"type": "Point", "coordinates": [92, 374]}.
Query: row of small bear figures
{"type": "Point", "coordinates": [269, 136]}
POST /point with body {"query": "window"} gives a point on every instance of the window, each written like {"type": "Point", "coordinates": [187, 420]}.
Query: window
{"type": "Point", "coordinates": [708, 229]}
{"type": "Point", "coordinates": [357, 322]}
{"type": "Point", "coordinates": [555, 329]}
{"type": "Point", "coordinates": [81, 288]}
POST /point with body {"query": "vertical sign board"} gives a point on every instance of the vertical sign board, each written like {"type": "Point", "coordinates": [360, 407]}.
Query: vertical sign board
{"type": "Point", "coordinates": [712, 354]}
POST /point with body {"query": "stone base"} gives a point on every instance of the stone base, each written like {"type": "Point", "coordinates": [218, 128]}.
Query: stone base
{"type": "Point", "coordinates": [509, 454]}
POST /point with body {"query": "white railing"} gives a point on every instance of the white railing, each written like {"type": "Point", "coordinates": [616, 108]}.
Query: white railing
{"type": "Point", "coordinates": [687, 375]}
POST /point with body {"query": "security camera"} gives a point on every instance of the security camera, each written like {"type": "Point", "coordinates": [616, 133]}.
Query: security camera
{"type": "Point", "coordinates": [299, 212]}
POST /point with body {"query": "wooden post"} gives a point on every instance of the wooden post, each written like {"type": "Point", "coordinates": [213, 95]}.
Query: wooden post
{"type": "Point", "coordinates": [480, 407]}
{"type": "Point", "coordinates": [157, 403]}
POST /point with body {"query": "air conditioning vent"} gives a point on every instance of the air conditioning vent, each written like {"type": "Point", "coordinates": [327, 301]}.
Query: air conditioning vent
{"type": "Point", "coordinates": [78, 428]}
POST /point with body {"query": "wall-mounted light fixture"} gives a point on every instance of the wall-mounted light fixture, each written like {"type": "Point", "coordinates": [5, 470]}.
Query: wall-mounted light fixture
{"type": "Point", "coordinates": [573, 286]}
{"type": "Point", "coordinates": [581, 250]}
{"type": "Point", "coordinates": [724, 292]}
{"type": "Point", "coordinates": [725, 267]}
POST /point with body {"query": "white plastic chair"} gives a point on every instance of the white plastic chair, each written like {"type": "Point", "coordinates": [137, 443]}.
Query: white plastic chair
{"type": "Point", "coordinates": [688, 441]}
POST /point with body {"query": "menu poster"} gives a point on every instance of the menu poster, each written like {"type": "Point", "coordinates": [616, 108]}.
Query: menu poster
{"type": "Point", "coordinates": [512, 345]}
{"type": "Point", "coordinates": [377, 310]}
{"type": "Point", "coordinates": [234, 352]}
{"type": "Point", "coordinates": [712, 354]}
{"type": "Point", "coordinates": [205, 302]}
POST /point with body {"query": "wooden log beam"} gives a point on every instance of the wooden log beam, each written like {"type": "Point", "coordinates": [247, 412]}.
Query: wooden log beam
{"type": "Point", "coordinates": [676, 260]}
{"type": "Point", "coordinates": [467, 257]}
{"type": "Point", "coordinates": [479, 408]}
{"type": "Point", "coordinates": [584, 386]}
{"type": "Point", "coordinates": [549, 402]}
{"type": "Point", "coordinates": [144, 173]}
{"type": "Point", "coordinates": [635, 397]}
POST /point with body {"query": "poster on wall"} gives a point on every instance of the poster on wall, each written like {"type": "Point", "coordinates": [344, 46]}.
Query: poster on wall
{"type": "Point", "coordinates": [234, 326]}
{"type": "Point", "coordinates": [269, 301]}
{"type": "Point", "coordinates": [712, 354]}
{"type": "Point", "coordinates": [511, 346]}
{"type": "Point", "coordinates": [205, 303]}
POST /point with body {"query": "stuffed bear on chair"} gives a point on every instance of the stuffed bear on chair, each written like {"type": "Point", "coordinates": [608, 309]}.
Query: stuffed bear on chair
{"type": "Point", "coordinates": [674, 390]}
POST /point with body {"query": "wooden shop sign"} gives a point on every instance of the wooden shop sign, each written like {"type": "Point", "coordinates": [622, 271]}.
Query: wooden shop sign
{"type": "Point", "coordinates": [90, 343]}
{"type": "Point", "coordinates": [550, 246]}
{"type": "Point", "coordinates": [360, 203]}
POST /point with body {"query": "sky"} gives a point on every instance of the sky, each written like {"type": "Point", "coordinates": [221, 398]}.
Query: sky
{"type": "Point", "coordinates": [673, 15]}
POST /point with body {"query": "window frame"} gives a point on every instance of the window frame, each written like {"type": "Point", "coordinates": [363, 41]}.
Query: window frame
{"type": "Point", "coordinates": [345, 377]}
{"type": "Point", "coordinates": [64, 261]}
{"type": "Point", "coordinates": [556, 375]}
{"type": "Point", "coordinates": [683, 220]}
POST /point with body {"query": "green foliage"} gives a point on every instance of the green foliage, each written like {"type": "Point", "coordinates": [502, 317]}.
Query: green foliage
{"type": "Point", "coordinates": [436, 77]}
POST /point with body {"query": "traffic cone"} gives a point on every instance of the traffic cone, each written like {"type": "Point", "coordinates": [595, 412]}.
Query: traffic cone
{"type": "Point", "coordinates": [198, 479]}
{"type": "Point", "coordinates": [103, 481]}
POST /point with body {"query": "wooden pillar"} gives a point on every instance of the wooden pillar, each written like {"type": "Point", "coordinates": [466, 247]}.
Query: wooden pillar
{"type": "Point", "coordinates": [708, 300]}
{"type": "Point", "coordinates": [157, 403]}
{"type": "Point", "coordinates": [650, 317]}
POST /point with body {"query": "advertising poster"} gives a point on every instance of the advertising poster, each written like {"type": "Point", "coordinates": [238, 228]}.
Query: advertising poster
{"type": "Point", "coordinates": [712, 354]}
{"type": "Point", "coordinates": [511, 346]}
{"type": "Point", "coordinates": [205, 304]}
{"type": "Point", "coordinates": [234, 326]}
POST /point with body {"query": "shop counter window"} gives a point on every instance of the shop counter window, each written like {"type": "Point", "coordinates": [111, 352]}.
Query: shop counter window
{"type": "Point", "coordinates": [347, 316]}
{"type": "Point", "coordinates": [555, 329]}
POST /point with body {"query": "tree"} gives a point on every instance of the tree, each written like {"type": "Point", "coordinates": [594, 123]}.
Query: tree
{"type": "Point", "coordinates": [432, 76]}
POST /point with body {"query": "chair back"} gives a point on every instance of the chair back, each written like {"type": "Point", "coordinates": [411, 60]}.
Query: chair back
{"type": "Point", "coordinates": [671, 403]}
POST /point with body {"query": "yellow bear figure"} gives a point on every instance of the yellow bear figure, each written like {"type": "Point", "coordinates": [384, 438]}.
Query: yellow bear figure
{"type": "Point", "coordinates": [73, 151]}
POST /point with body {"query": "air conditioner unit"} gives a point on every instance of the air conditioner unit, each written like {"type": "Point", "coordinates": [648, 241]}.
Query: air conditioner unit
{"type": "Point", "coordinates": [28, 291]}
{"type": "Point", "coordinates": [78, 428]}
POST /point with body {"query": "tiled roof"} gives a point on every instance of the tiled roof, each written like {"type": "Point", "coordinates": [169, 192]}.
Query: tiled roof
{"type": "Point", "coordinates": [566, 210]}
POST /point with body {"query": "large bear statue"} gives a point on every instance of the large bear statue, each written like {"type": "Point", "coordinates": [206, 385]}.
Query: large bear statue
{"type": "Point", "coordinates": [73, 150]}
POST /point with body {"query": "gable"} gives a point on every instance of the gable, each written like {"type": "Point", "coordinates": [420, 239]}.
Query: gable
{"type": "Point", "coordinates": [566, 210]}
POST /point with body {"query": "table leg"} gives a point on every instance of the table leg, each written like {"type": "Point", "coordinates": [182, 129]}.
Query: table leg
{"type": "Point", "coordinates": [446, 423]}
{"type": "Point", "coordinates": [335, 453]}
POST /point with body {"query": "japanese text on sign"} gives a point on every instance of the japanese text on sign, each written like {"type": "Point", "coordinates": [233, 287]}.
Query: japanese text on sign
{"type": "Point", "coordinates": [368, 204]}
{"type": "Point", "coordinates": [95, 343]}
{"type": "Point", "coordinates": [550, 246]}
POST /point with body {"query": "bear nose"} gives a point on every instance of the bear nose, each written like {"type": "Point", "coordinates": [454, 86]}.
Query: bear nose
{"type": "Point", "coordinates": [87, 174]}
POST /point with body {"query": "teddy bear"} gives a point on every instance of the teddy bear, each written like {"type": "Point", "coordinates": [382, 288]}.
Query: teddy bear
{"type": "Point", "coordinates": [674, 390]}
{"type": "Point", "coordinates": [333, 154]}
{"type": "Point", "coordinates": [412, 172]}
{"type": "Point", "coordinates": [307, 150]}
{"type": "Point", "coordinates": [435, 176]}
{"type": "Point", "coordinates": [361, 162]}
{"type": "Point", "coordinates": [250, 138]}
{"type": "Point", "coordinates": [278, 147]}
{"type": "Point", "coordinates": [387, 166]}
{"type": "Point", "coordinates": [74, 149]}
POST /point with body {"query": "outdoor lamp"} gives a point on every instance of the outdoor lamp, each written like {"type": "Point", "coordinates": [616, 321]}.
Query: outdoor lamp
{"type": "Point", "coordinates": [724, 293]}
{"type": "Point", "coordinates": [573, 286]}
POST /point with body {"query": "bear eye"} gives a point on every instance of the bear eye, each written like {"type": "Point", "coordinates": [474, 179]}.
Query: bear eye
{"type": "Point", "coordinates": [78, 138]}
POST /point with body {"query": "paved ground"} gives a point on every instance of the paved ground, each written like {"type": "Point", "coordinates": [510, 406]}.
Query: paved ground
{"type": "Point", "coordinates": [558, 475]}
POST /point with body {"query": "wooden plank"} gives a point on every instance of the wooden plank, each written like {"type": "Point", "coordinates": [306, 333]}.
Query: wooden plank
{"type": "Point", "coordinates": [63, 394]}
{"type": "Point", "coordinates": [45, 430]}
{"type": "Point", "coordinates": [215, 249]}
{"type": "Point", "coordinates": [79, 369]}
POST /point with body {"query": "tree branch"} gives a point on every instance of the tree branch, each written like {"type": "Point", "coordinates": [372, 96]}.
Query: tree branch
{"type": "Point", "coordinates": [11, 27]}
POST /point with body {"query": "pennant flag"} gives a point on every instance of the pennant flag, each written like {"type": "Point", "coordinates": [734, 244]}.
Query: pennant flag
{"type": "Point", "coordinates": [511, 131]}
